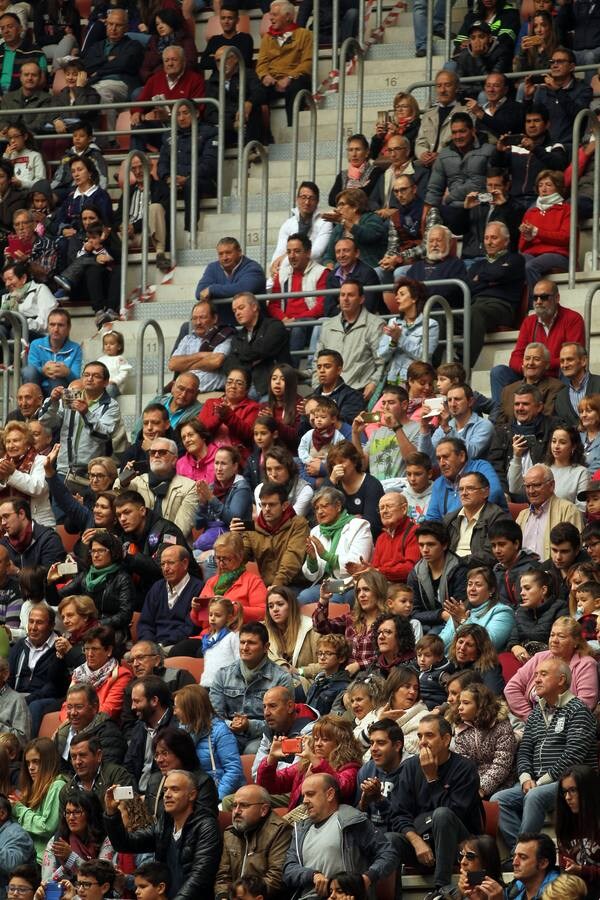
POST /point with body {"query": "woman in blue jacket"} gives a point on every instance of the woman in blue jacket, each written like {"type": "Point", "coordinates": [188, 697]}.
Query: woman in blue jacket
{"type": "Point", "coordinates": [481, 608]}
{"type": "Point", "coordinates": [216, 745]}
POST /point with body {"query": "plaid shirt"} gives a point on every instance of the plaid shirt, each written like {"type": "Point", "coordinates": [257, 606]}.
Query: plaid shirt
{"type": "Point", "coordinates": [363, 643]}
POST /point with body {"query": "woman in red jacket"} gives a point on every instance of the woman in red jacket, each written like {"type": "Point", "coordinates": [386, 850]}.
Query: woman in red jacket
{"type": "Point", "coordinates": [230, 418]}
{"type": "Point", "coordinates": [544, 240]}
{"type": "Point", "coordinates": [331, 749]}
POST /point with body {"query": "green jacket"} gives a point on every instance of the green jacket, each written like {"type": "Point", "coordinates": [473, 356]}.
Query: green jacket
{"type": "Point", "coordinates": [41, 823]}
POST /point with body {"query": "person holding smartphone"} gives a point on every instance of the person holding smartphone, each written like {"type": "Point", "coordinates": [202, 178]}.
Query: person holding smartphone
{"type": "Point", "coordinates": [480, 874]}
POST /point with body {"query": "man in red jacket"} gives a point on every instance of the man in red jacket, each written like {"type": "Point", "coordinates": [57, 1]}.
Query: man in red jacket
{"type": "Point", "coordinates": [550, 324]}
{"type": "Point", "coordinates": [173, 83]}
{"type": "Point", "coordinates": [298, 272]}
{"type": "Point", "coordinates": [396, 548]}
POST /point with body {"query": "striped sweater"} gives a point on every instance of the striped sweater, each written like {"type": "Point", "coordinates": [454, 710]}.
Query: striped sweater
{"type": "Point", "coordinates": [556, 738]}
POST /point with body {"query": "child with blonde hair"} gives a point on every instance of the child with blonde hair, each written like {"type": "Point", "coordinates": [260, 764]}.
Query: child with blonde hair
{"type": "Point", "coordinates": [220, 642]}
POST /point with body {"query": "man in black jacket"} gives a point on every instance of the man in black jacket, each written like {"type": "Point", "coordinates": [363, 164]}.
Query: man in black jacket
{"type": "Point", "coordinates": [143, 534]}
{"type": "Point", "coordinates": [113, 65]}
{"type": "Point", "coordinates": [152, 703]}
{"type": "Point", "coordinates": [184, 837]}
{"type": "Point", "coordinates": [573, 361]}
{"type": "Point", "coordinates": [258, 345]}
{"type": "Point", "coordinates": [28, 543]}
{"type": "Point", "coordinates": [500, 114]}
{"type": "Point", "coordinates": [436, 804]}
{"type": "Point", "coordinates": [496, 284]}
{"type": "Point", "coordinates": [561, 93]}
{"type": "Point", "coordinates": [35, 669]}
{"type": "Point", "coordinates": [478, 214]}
{"type": "Point", "coordinates": [349, 265]}
{"type": "Point", "coordinates": [468, 526]}
{"type": "Point", "coordinates": [350, 402]}
{"type": "Point", "coordinates": [526, 158]}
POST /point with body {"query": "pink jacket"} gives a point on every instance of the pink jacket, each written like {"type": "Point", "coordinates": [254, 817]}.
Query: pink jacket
{"type": "Point", "coordinates": [584, 683]}
{"type": "Point", "coordinates": [289, 780]}
{"type": "Point", "coordinates": [198, 470]}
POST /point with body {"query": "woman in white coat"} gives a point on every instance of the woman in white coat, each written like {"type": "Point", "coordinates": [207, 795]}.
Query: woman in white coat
{"type": "Point", "coordinates": [336, 540]}
{"type": "Point", "coordinates": [22, 472]}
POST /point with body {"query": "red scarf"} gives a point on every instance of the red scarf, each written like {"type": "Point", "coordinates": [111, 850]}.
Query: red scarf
{"type": "Point", "coordinates": [221, 488]}
{"type": "Point", "coordinates": [321, 437]}
{"type": "Point", "coordinates": [278, 32]}
{"type": "Point", "coordinates": [21, 544]}
{"type": "Point", "coordinates": [288, 514]}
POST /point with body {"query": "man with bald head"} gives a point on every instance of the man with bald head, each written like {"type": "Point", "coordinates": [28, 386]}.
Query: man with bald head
{"type": "Point", "coordinates": [334, 832]}
{"type": "Point", "coordinates": [29, 403]}
{"type": "Point", "coordinates": [283, 716]}
{"type": "Point", "coordinates": [184, 835]}
{"type": "Point", "coordinates": [545, 510]}
{"type": "Point", "coordinates": [560, 732]}
{"type": "Point", "coordinates": [396, 549]}
{"type": "Point", "coordinates": [255, 843]}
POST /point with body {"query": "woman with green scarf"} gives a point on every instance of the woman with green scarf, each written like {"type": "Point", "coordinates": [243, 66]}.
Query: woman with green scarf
{"type": "Point", "coordinates": [109, 586]}
{"type": "Point", "coordinates": [336, 540]}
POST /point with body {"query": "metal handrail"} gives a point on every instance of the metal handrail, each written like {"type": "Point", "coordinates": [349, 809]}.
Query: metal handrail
{"type": "Point", "coordinates": [314, 72]}
{"type": "Point", "coordinates": [193, 179]}
{"type": "Point", "coordinates": [587, 314]}
{"type": "Point", "coordinates": [139, 154]}
{"type": "Point", "coordinates": [139, 375]}
{"type": "Point", "coordinates": [360, 53]}
{"type": "Point", "coordinates": [264, 200]}
{"type": "Point", "coordinates": [362, 25]}
{"type": "Point", "coordinates": [303, 95]}
{"type": "Point", "coordinates": [512, 76]}
{"type": "Point", "coordinates": [335, 33]}
{"type": "Point", "coordinates": [5, 374]}
{"type": "Point", "coordinates": [595, 127]}
{"type": "Point", "coordinates": [438, 300]}
{"type": "Point", "coordinates": [232, 51]}
{"type": "Point", "coordinates": [20, 327]}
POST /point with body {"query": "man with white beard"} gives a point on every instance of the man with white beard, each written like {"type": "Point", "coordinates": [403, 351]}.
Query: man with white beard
{"type": "Point", "coordinates": [170, 495]}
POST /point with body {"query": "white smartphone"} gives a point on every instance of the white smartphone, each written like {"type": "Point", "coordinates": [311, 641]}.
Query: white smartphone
{"type": "Point", "coordinates": [67, 568]}
{"type": "Point", "coordinates": [123, 792]}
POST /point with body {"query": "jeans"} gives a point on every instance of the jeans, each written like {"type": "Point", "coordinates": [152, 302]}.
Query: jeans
{"type": "Point", "coordinates": [521, 812]}
{"type": "Point", "coordinates": [501, 377]}
{"type": "Point", "coordinates": [536, 267]}
{"type": "Point", "coordinates": [31, 375]}
{"type": "Point", "coordinates": [420, 21]}
{"type": "Point", "coordinates": [447, 831]}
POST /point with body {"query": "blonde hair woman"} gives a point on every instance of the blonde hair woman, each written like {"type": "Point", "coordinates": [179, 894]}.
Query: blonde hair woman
{"type": "Point", "coordinates": [22, 473]}
{"type": "Point", "coordinates": [292, 639]}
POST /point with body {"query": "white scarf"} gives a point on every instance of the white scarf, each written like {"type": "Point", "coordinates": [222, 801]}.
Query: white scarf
{"type": "Point", "coordinates": [544, 203]}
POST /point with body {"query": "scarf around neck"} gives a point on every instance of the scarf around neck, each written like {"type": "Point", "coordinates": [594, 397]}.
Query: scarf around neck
{"type": "Point", "coordinates": [282, 32]}
{"type": "Point", "coordinates": [22, 543]}
{"type": "Point", "coordinates": [84, 675]}
{"type": "Point", "coordinates": [333, 533]}
{"type": "Point", "coordinates": [95, 578]}
{"type": "Point", "coordinates": [211, 640]}
{"type": "Point", "coordinates": [535, 427]}
{"type": "Point", "coordinates": [321, 437]}
{"type": "Point", "coordinates": [544, 203]}
{"type": "Point", "coordinates": [288, 514]}
{"type": "Point", "coordinates": [226, 579]}
{"type": "Point", "coordinates": [221, 488]}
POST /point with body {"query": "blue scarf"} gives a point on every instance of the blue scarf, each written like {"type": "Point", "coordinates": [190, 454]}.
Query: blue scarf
{"type": "Point", "coordinates": [211, 640]}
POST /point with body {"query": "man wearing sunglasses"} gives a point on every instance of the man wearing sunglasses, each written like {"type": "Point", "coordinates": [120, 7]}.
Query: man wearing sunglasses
{"type": "Point", "coordinates": [171, 495]}
{"type": "Point", "coordinates": [550, 324]}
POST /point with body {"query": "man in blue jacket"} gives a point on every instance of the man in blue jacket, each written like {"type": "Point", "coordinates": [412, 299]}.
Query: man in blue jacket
{"type": "Point", "coordinates": [54, 360]}
{"type": "Point", "coordinates": [233, 273]}
{"type": "Point", "coordinates": [453, 460]}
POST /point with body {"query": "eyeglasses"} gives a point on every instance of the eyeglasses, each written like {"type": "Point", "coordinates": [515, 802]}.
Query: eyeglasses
{"type": "Point", "coordinates": [95, 476]}
{"type": "Point", "coordinates": [469, 490]}
{"type": "Point", "coordinates": [73, 813]}
{"type": "Point", "coordinates": [159, 452]}
{"type": "Point", "coordinates": [467, 854]}
{"type": "Point", "coordinates": [543, 297]}
{"type": "Point", "coordinates": [326, 653]}
{"type": "Point", "coordinates": [385, 632]}
{"type": "Point", "coordinates": [141, 656]}
{"type": "Point", "coordinates": [86, 885]}
{"type": "Point", "coordinates": [590, 545]}
{"type": "Point", "coordinates": [18, 890]}
{"type": "Point", "coordinates": [559, 62]}
{"type": "Point", "coordinates": [566, 792]}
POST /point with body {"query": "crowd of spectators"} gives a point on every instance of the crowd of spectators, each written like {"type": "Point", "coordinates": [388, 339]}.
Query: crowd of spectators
{"type": "Point", "coordinates": [310, 627]}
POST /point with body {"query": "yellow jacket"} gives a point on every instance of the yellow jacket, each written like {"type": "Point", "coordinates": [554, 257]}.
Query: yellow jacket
{"type": "Point", "coordinates": [290, 60]}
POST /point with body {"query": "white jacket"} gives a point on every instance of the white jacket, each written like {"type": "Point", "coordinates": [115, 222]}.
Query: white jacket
{"type": "Point", "coordinates": [355, 542]}
{"type": "Point", "coordinates": [408, 722]}
{"type": "Point", "coordinates": [33, 484]}
{"type": "Point", "coordinates": [223, 654]}
{"type": "Point", "coordinates": [36, 305]}
{"type": "Point", "coordinates": [319, 233]}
